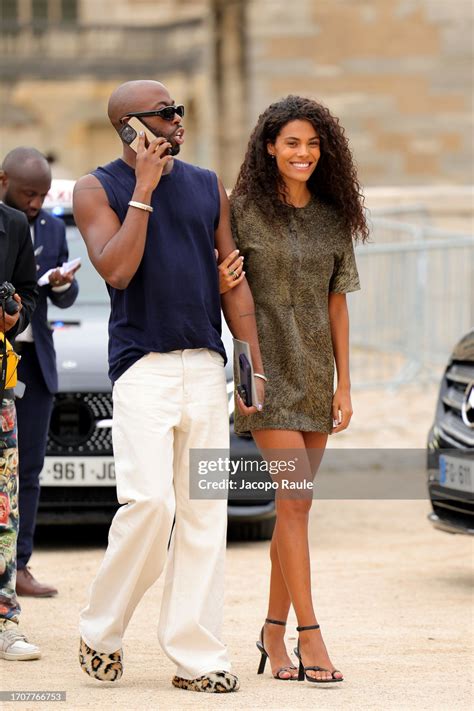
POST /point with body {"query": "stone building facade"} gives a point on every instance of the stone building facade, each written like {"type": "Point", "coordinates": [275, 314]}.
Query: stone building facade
{"type": "Point", "coordinates": [398, 73]}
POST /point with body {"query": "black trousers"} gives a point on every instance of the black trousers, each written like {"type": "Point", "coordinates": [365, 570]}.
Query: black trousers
{"type": "Point", "coordinates": [33, 416]}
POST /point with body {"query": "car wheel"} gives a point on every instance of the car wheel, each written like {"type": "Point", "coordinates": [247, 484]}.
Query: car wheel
{"type": "Point", "coordinates": [252, 530]}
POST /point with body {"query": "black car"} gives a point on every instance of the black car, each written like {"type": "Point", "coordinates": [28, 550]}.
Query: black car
{"type": "Point", "coordinates": [451, 444]}
{"type": "Point", "coordinates": [78, 477]}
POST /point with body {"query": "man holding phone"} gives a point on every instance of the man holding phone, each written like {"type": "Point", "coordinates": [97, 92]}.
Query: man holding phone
{"type": "Point", "coordinates": [25, 179]}
{"type": "Point", "coordinates": [151, 224]}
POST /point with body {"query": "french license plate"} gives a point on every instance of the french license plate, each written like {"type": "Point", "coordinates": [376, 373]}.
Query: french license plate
{"type": "Point", "coordinates": [456, 473]}
{"type": "Point", "coordinates": [78, 471]}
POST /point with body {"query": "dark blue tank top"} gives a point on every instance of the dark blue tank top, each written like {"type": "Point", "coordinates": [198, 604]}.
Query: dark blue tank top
{"type": "Point", "coordinates": [173, 301]}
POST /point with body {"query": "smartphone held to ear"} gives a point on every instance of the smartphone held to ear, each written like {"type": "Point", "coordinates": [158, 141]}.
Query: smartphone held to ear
{"type": "Point", "coordinates": [130, 134]}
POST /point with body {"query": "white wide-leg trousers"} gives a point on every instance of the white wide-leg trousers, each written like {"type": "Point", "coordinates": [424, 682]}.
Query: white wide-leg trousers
{"type": "Point", "coordinates": [164, 405]}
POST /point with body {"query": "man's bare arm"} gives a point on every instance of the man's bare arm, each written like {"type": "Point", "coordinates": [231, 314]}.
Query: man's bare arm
{"type": "Point", "coordinates": [115, 249]}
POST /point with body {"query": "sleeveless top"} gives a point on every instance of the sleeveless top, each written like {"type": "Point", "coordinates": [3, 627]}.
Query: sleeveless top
{"type": "Point", "coordinates": [172, 302]}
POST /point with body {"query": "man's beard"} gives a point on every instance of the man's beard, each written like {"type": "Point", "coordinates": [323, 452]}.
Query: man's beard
{"type": "Point", "coordinates": [175, 147]}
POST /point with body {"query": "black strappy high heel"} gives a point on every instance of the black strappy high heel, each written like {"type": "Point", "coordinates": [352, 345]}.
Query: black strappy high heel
{"type": "Point", "coordinates": [264, 657]}
{"type": "Point", "coordinates": [302, 675]}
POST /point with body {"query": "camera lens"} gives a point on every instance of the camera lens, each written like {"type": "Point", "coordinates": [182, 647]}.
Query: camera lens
{"type": "Point", "coordinates": [128, 134]}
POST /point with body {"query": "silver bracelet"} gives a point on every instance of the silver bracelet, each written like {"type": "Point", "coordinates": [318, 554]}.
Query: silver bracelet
{"type": "Point", "coordinates": [140, 205]}
{"type": "Point", "coordinates": [262, 377]}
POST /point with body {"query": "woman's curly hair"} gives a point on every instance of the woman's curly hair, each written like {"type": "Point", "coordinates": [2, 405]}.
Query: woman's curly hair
{"type": "Point", "coordinates": [334, 180]}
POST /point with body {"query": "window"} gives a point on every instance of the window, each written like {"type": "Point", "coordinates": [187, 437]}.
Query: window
{"type": "Point", "coordinates": [69, 10]}
{"type": "Point", "coordinates": [9, 11]}
{"type": "Point", "coordinates": [39, 11]}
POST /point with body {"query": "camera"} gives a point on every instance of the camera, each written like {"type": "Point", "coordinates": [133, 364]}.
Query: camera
{"type": "Point", "coordinates": [7, 302]}
{"type": "Point", "coordinates": [128, 134]}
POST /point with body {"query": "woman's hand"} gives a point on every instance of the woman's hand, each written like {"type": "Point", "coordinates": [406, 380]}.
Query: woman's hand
{"type": "Point", "coordinates": [260, 388]}
{"type": "Point", "coordinates": [341, 409]}
{"type": "Point", "coordinates": [230, 271]}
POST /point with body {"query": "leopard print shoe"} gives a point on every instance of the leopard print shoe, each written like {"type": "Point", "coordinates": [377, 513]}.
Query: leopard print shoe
{"type": "Point", "coordinates": [216, 682]}
{"type": "Point", "coordinates": [104, 667]}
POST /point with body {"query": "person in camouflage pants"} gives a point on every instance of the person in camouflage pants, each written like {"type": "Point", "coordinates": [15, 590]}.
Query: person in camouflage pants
{"type": "Point", "coordinates": [9, 607]}
{"type": "Point", "coordinates": [17, 266]}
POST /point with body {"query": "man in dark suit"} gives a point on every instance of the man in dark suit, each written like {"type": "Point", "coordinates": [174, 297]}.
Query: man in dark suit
{"type": "Point", "coordinates": [24, 182]}
{"type": "Point", "coordinates": [17, 266]}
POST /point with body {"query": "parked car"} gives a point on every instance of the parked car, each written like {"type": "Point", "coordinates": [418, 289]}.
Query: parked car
{"type": "Point", "coordinates": [451, 444]}
{"type": "Point", "coordinates": [78, 478]}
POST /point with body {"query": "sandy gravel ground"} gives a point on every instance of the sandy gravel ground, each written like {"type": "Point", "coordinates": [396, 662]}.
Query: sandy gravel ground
{"type": "Point", "coordinates": [393, 597]}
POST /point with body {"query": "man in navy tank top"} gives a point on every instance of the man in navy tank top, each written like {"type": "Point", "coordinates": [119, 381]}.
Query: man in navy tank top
{"type": "Point", "coordinates": [151, 224]}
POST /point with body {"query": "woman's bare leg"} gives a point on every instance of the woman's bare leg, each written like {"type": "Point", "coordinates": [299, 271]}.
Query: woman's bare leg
{"type": "Point", "coordinates": [268, 441]}
{"type": "Point", "coordinates": [291, 574]}
{"type": "Point", "coordinates": [313, 649]}
{"type": "Point", "coordinates": [278, 608]}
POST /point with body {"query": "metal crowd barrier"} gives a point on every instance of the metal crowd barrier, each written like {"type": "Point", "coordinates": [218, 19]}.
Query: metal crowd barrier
{"type": "Point", "coordinates": [416, 302]}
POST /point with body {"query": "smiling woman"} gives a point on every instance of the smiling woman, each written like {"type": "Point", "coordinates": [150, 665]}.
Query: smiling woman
{"type": "Point", "coordinates": [296, 151]}
{"type": "Point", "coordinates": [295, 211]}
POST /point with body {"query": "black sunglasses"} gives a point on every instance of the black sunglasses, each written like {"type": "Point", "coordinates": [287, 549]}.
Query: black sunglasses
{"type": "Point", "coordinates": [167, 113]}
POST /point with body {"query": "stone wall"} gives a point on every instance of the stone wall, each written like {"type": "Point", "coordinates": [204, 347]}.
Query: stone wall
{"type": "Point", "coordinates": [69, 120]}
{"type": "Point", "coordinates": [140, 12]}
{"type": "Point", "coordinates": [398, 73]}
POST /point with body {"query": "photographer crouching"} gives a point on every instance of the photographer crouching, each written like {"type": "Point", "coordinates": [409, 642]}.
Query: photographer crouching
{"type": "Point", "coordinates": [18, 295]}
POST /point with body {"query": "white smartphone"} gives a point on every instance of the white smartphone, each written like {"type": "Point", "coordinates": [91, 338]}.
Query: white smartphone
{"type": "Point", "coordinates": [71, 266]}
{"type": "Point", "coordinates": [131, 130]}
